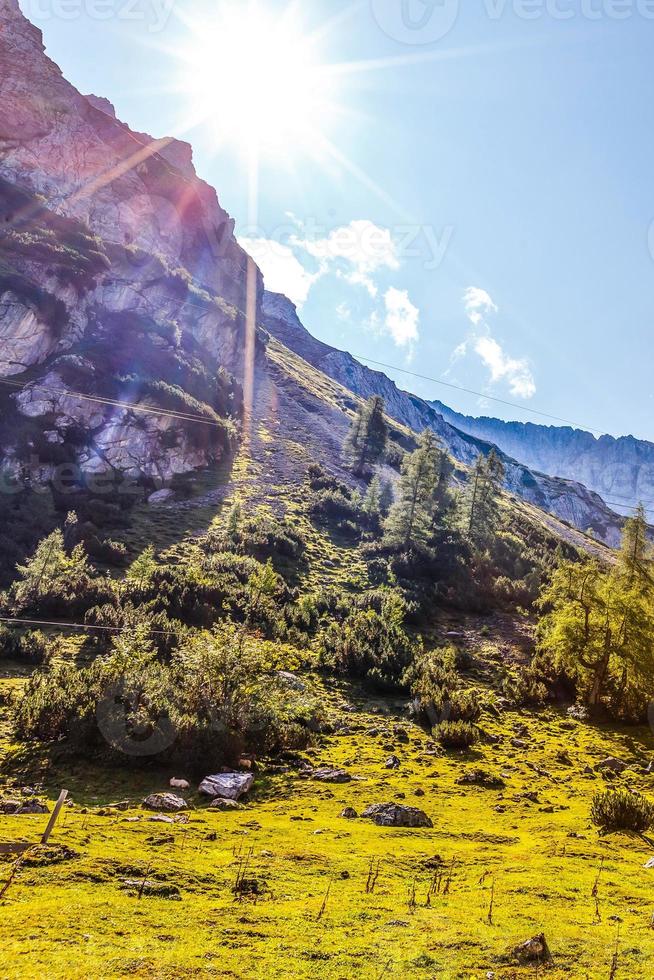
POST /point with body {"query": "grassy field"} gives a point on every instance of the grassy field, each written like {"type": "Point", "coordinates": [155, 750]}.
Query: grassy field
{"type": "Point", "coordinates": [540, 858]}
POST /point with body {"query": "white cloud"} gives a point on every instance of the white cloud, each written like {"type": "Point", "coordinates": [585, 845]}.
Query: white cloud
{"type": "Point", "coordinates": [478, 304]}
{"type": "Point", "coordinates": [282, 270]}
{"type": "Point", "coordinates": [402, 317]}
{"type": "Point", "coordinates": [516, 372]}
{"type": "Point", "coordinates": [358, 254]}
{"type": "Point", "coordinates": [355, 252]}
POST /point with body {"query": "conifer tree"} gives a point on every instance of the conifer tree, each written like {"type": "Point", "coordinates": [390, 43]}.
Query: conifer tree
{"type": "Point", "coordinates": [366, 441]}
{"type": "Point", "coordinates": [412, 517]}
{"type": "Point", "coordinates": [372, 500]}
{"type": "Point", "coordinates": [486, 482]}
{"type": "Point", "coordinates": [599, 623]}
{"type": "Point", "coordinates": [386, 497]}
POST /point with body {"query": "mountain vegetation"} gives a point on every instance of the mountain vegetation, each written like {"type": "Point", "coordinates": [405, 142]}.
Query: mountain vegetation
{"type": "Point", "coordinates": [335, 688]}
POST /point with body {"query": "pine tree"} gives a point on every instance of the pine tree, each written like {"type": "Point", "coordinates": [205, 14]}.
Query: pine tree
{"type": "Point", "coordinates": [386, 497]}
{"type": "Point", "coordinates": [366, 441]}
{"type": "Point", "coordinates": [411, 518]}
{"type": "Point", "coordinates": [487, 479]}
{"type": "Point", "coordinates": [234, 520]}
{"type": "Point", "coordinates": [372, 499]}
{"type": "Point", "coordinates": [142, 567]}
{"type": "Point", "coordinates": [599, 622]}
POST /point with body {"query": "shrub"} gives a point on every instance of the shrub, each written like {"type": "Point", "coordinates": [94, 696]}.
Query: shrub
{"type": "Point", "coordinates": [621, 809]}
{"type": "Point", "coordinates": [33, 646]}
{"type": "Point", "coordinates": [260, 536]}
{"type": "Point", "coordinates": [58, 582]}
{"type": "Point", "coordinates": [371, 644]}
{"type": "Point", "coordinates": [456, 734]}
{"type": "Point", "coordinates": [220, 694]}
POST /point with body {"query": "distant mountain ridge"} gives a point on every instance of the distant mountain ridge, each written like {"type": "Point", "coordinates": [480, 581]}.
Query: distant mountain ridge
{"type": "Point", "coordinates": [565, 498]}
{"type": "Point", "coordinates": [620, 470]}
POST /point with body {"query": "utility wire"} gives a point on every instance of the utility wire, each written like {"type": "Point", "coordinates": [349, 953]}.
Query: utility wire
{"type": "Point", "coordinates": [82, 626]}
{"type": "Point", "coordinates": [480, 394]}
{"type": "Point", "coordinates": [127, 406]}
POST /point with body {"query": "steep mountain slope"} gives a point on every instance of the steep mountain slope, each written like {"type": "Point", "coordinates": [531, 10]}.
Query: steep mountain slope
{"type": "Point", "coordinates": [119, 277]}
{"type": "Point", "coordinates": [620, 470]}
{"type": "Point", "coordinates": [566, 499]}
{"type": "Point", "coordinates": [129, 312]}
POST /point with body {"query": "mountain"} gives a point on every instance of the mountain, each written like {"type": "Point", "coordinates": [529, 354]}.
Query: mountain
{"type": "Point", "coordinates": [567, 499]}
{"type": "Point", "coordinates": [119, 276]}
{"type": "Point", "coordinates": [131, 319]}
{"type": "Point", "coordinates": [620, 470]}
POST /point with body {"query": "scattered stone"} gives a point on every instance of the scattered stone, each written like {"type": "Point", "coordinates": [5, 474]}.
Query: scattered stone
{"type": "Point", "coordinates": [160, 497]}
{"type": "Point", "coordinates": [401, 734]}
{"type": "Point", "coordinates": [519, 743]}
{"type": "Point", "coordinates": [327, 775]}
{"type": "Point", "coordinates": [419, 792]}
{"type": "Point", "coordinates": [612, 765]}
{"type": "Point", "coordinates": [224, 805]}
{"type": "Point", "coordinates": [152, 889]}
{"type": "Point", "coordinates": [479, 777]}
{"type": "Point", "coordinates": [44, 855]}
{"type": "Point", "coordinates": [433, 863]}
{"type": "Point", "coordinates": [650, 863]}
{"type": "Point", "coordinates": [529, 797]}
{"type": "Point", "coordinates": [534, 950]}
{"type": "Point", "coordinates": [291, 680]}
{"type": "Point", "coordinates": [349, 813]}
{"type": "Point", "coordinates": [160, 818]}
{"type": "Point", "coordinates": [228, 785]}
{"type": "Point", "coordinates": [392, 762]}
{"type": "Point", "coordinates": [251, 886]}
{"type": "Point", "coordinates": [165, 802]}
{"type": "Point", "coordinates": [396, 815]}
{"type": "Point", "coordinates": [563, 757]}
{"type": "Point", "coordinates": [161, 840]}
{"type": "Point", "coordinates": [20, 808]}
{"type": "Point", "coordinates": [179, 784]}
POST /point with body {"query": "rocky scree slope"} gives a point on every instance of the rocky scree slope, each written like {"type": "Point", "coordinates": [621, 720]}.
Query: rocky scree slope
{"type": "Point", "coordinates": [568, 500]}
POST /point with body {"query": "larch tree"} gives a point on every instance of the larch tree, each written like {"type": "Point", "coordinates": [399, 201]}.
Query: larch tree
{"type": "Point", "coordinates": [411, 519]}
{"type": "Point", "coordinates": [366, 441]}
{"type": "Point", "coordinates": [486, 483]}
{"type": "Point", "coordinates": [598, 625]}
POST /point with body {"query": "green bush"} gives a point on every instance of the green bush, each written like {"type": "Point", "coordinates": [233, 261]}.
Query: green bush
{"type": "Point", "coordinates": [371, 644]}
{"type": "Point", "coordinates": [33, 647]}
{"type": "Point", "coordinates": [456, 734]}
{"type": "Point", "coordinates": [621, 809]}
{"type": "Point", "coordinates": [219, 694]}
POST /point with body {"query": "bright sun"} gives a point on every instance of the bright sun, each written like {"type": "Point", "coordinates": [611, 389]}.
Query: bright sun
{"type": "Point", "coordinates": [256, 80]}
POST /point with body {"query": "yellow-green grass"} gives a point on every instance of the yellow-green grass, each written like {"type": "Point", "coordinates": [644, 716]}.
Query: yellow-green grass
{"type": "Point", "coordinates": [73, 920]}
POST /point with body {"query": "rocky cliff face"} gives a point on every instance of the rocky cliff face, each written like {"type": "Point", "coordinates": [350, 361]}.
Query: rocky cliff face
{"type": "Point", "coordinates": [119, 276]}
{"type": "Point", "coordinates": [620, 470]}
{"type": "Point", "coordinates": [566, 499]}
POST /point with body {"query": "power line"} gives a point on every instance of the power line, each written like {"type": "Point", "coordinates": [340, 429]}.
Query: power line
{"type": "Point", "coordinates": [127, 406]}
{"type": "Point", "coordinates": [480, 394]}
{"type": "Point", "coordinates": [13, 621]}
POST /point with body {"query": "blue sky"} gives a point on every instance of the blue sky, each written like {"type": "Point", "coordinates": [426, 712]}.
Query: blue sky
{"type": "Point", "coordinates": [484, 215]}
